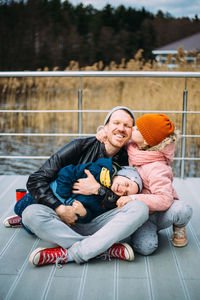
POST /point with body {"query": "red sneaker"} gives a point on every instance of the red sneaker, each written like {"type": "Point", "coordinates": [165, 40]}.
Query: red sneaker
{"type": "Point", "coordinates": [121, 251]}
{"type": "Point", "coordinates": [45, 256]}
{"type": "Point", "coordinates": [12, 221]}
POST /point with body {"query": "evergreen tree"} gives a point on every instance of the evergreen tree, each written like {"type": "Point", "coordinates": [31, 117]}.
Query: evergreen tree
{"type": "Point", "coordinates": [39, 33]}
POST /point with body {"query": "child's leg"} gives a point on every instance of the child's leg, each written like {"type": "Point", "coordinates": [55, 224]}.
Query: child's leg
{"type": "Point", "coordinates": [21, 205]}
{"type": "Point", "coordinates": [178, 214]}
{"type": "Point", "coordinates": [145, 239]}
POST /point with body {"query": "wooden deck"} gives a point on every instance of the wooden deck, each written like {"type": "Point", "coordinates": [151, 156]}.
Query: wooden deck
{"type": "Point", "coordinates": [169, 274]}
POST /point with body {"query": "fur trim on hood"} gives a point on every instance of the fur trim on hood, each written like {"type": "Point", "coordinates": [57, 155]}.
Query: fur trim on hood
{"type": "Point", "coordinates": [161, 152]}
{"type": "Point", "coordinates": [173, 138]}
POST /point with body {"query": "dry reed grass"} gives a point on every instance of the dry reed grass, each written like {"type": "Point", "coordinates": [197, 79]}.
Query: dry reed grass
{"type": "Point", "coordinates": [161, 94]}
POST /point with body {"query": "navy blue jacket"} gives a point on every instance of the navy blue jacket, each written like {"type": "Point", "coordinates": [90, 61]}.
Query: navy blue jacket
{"type": "Point", "coordinates": [67, 176]}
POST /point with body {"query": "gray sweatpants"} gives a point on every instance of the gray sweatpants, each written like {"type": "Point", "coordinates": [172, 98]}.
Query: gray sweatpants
{"type": "Point", "coordinates": [85, 241]}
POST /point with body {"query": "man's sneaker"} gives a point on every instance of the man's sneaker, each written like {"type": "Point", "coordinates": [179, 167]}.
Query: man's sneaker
{"type": "Point", "coordinates": [12, 221]}
{"type": "Point", "coordinates": [179, 236]}
{"type": "Point", "coordinates": [45, 256]}
{"type": "Point", "coordinates": [119, 250]}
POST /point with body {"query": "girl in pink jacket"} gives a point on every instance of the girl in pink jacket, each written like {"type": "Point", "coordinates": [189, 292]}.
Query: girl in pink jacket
{"type": "Point", "coordinates": [151, 150]}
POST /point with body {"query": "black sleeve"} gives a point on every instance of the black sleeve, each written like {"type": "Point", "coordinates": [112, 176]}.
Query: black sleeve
{"type": "Point", "coordinates": [38, 182]}
{"type": "Point", "coordinates": [110, 199]}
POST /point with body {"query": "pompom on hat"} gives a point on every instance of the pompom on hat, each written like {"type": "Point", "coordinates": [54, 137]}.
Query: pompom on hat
{"type": "Point", "coordinates": [154, 128]}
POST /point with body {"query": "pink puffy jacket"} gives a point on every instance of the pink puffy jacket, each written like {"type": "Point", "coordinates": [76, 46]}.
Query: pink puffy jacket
{"type": "Point", "coordinates": [153, 166]}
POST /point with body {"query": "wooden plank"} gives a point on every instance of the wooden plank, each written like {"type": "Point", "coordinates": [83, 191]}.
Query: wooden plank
{"type": "Point", "coordinates": [133, 275]}
{"type": "Point", "coordinates": [63, 288]}
{"type": "Point", "coordinates": [99, 280]}
{"type": "Point", "coordinates": [8, 187]}
{"type": "Point", "coordinates": [188, 190]}
{"type": "Point", "coordinates": [68, 282]}
{"type": "Point", "coordinates": [164, 275]}
{"type": "Point", "coordinates": [194, 288]}
{"type": "Point", "coordinates": [169, 273]}
{"type": "Point", "coordinates": [5, 284]}
{"type": "Point", "coordinates": [30, 281]}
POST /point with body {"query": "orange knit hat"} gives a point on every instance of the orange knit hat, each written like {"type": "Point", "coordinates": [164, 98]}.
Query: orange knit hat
{"type": "Point", "coordinates": [154, 128]}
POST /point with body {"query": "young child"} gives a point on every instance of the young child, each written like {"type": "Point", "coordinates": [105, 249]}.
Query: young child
{"type": "Point", "coordinates": [151, 150]}
{"type": "Point", "coordinates": [121, 180]}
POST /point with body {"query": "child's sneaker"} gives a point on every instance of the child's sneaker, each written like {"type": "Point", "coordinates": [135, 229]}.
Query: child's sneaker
{"type": "Point", "coordinates": [119, 250]}
{"type": "Point", "coordinates": [45, 256]}
{"type": "Point", "coordinates": [12, 221]}
{"type": "Point", "coordinates": [179, 236]}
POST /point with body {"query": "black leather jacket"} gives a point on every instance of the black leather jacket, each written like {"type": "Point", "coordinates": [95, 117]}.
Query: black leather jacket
{"type": "Point", "coordinates": [78, 151]}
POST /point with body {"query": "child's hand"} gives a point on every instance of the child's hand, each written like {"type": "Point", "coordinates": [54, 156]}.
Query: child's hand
{"type": "Point", "coordinates": [101, 135]}
{"type": "Point", "coordinates": [122, 201]}
{"type": "Point", "coordinates": [79, 209]}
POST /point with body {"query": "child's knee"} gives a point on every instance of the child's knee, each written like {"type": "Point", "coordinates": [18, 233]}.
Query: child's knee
{"type": "Point", "coordinates": [183, 212]}
{"type": "Point", "coordinates": [146, 247]}
{"type": "Point", "coordinates": [145, 240]}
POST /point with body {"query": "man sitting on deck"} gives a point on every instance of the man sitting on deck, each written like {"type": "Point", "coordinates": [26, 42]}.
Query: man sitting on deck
{"type": "Point", "coordinates": [55, 222]}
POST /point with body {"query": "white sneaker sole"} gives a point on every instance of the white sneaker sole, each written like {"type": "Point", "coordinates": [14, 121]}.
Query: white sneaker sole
{"type": "Point", "coordinates": [7, 224]}
{"type": "Point", "coordinates": [33, 259]}
{"type": "Point", "coordinates": [179, 245]}
{"type": "Point", "coordinates": [130, 251]}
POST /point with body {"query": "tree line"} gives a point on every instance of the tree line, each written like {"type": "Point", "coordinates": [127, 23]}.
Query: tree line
{"type": "Point", "coordinates": [51, 33]}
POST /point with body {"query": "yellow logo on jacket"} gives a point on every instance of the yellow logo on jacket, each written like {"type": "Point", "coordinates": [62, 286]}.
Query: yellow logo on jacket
{"type": "Point", "coordinates": [105, 177]}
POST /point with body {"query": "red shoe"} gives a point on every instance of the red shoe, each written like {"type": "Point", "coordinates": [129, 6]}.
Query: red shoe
{"type": "Point", "coordinates": [12, 221]}
{"type": "Point", "coordinates": [45, 256]}
{"type": "Point", "coordinates": [121, 251]}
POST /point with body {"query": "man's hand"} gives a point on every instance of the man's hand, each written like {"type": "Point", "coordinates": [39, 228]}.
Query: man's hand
{"type": "Point", "coordinates": [86, 186]}
{"type": "Point", "coordinates": [66, 214]}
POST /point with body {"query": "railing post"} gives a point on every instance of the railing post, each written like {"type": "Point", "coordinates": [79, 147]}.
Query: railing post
{"type": "Point", "coordinates": [80, 106]}
{"type": "Point", "coordinates": [184, 122]}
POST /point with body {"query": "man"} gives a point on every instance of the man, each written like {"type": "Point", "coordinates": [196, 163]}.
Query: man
{"type": "Point", "coordinates": [55, 222]}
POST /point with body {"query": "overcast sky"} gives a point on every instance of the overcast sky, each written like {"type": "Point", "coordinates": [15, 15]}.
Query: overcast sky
{"type": "Point", "coordinates": [177, 8]}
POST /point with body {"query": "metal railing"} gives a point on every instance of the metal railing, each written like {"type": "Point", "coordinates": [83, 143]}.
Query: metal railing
{"type": "Point", "coordinates": [80, 75]}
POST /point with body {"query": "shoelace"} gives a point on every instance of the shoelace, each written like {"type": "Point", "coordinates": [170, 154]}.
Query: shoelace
{"type": "Point", "coordinates": [59, 260]}
{"type": "Point", "coordinates": [104, 256]}
{"type": "Point", "coordinates": [180, 232]}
